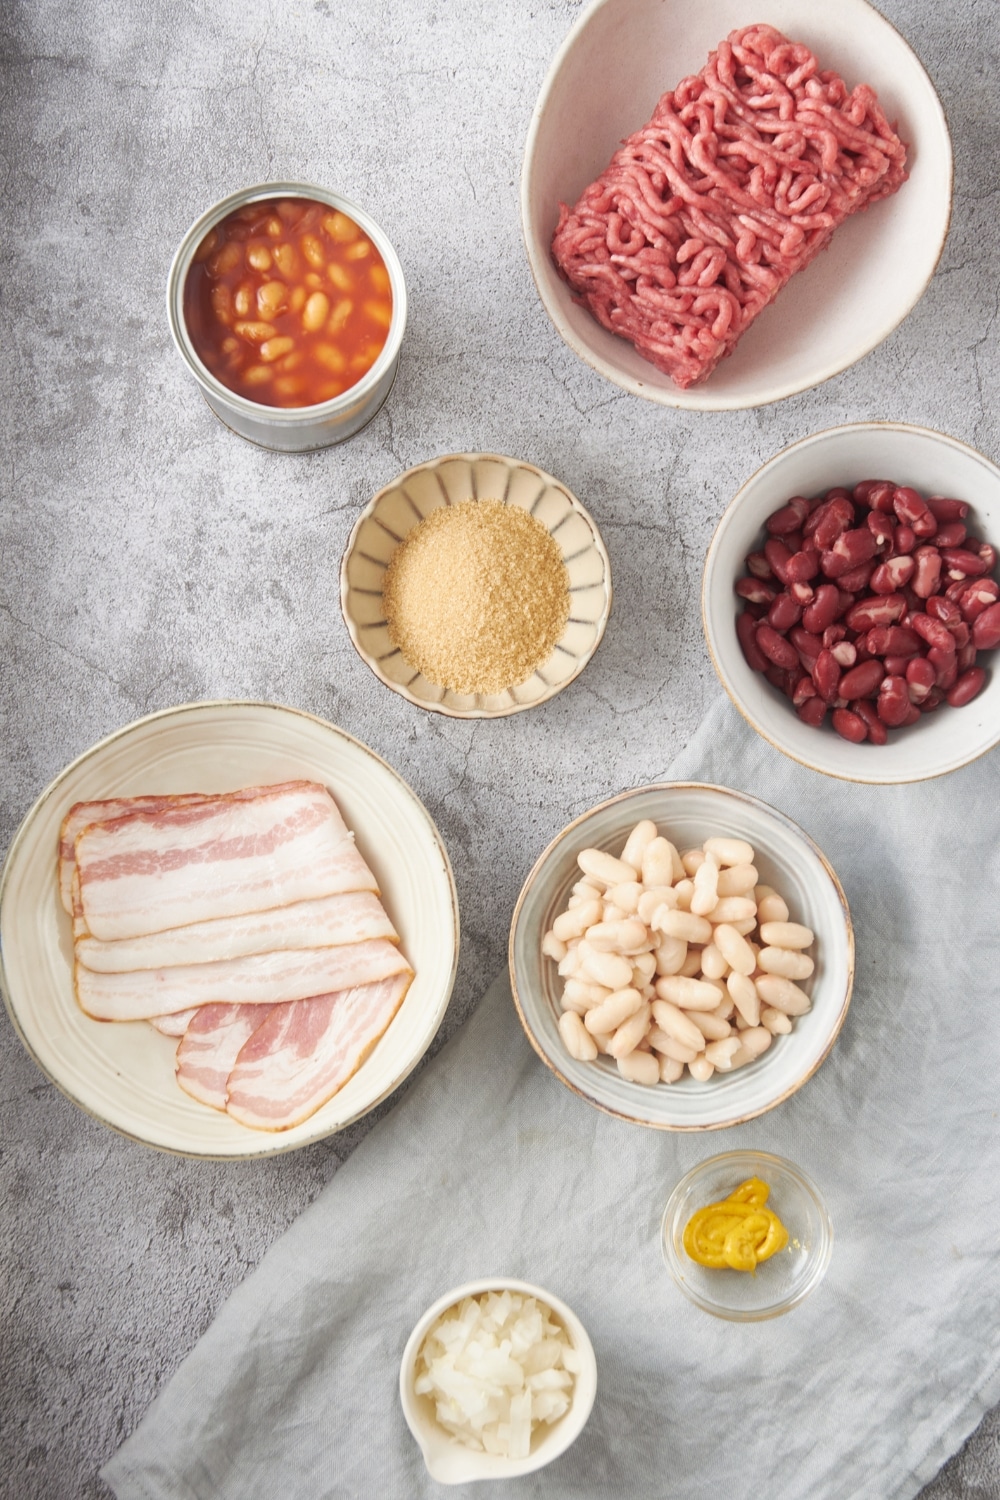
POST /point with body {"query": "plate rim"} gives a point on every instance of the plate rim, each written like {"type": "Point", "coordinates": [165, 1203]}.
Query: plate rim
{"type": "Point", "coordinates": [758, 802]}
{"type": "Point", "coordinates": [279, 1147]}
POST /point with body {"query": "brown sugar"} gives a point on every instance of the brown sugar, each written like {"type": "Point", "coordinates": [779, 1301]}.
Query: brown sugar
{"type": "Point", "coordinates": [476, 596]}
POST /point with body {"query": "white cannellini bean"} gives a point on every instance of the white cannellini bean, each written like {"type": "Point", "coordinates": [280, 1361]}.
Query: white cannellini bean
{"type": "Point", "coordinates": [645, 963]}
{"type": "Point", "coordinates": [744, 992]}
{"type": "Point", "coordinates": [729, 851]}
{"type": "Point", "coordinates": [737, 880]}
{"type": "Point", "coordinates": [701, 1069]}
{"type": "Point", "coordinates": [577, 1039]}
{"type": "Point", "coordinates": [610, 1014]}
{"type": "Point", "coordinates": [670, 1070]}
{"type": "Point", "coordinates": [711, 1028]}
{"type": "Point", "coordinates": [603, 1040]}
{"type": "Point", "coordinates": [652, 899]}
{"type": "Point", "coordinates": [668, 1046]}
{"type": "Point", "coordinates": [658, 863]}
{"type": "Point", "coordinates": [770, 906]}
{"type": "Point", "coordinates": [609, 969]}
{"type": "Point", "coordinates": [638, 842]}
{"type": "Point", "coordinates": [684, 890]}
{"type": "Point", "coordinates": [569, 1002]}
{"type": "Point", "coordinates": [678, 1025]}
{"type": "Point", "coordinates": [786, 962]}
{"type": "Point", "coordinates": [782, 994]}
{"type": "Point", "coordinates": [552, 947]}
{"type": "Point", "coordinates": [626, 936]}
{"type": "Point", "coordinates": [776, 1022]}
{"type": "Point", "coordinates": [733, 909]}
{"type": "Point", "coordinates": [584, 994]}
{"type": "Point", "coordinates": [725, 1009]}
{"type": "Point", "coordinates": [587, 891]}
{"type": "Point", "coordinates": [692, 860]}
{"type": "Point", "coordinates": [706, 883]}
{"type": "Point", "coordinates": [720, 1054]}
{"type": "Point", "coordinates": [671, 955]}
{"type": "Point", "coordinates": [574, 923]}
{"type": "Point", "coordinates": [755, 1040]}
{"type": "Point", "coordinates": [734, 948]}
{"type": "Point", "coordinates": [688, 994]}
{"type": "Point", "coordinates": [626, 896]}
{"type": "Point", "coordinates": [683, 924]}
{"type": "Point", "coordinates": [691, 967]}
{"type": "Point", "coordinates": [630, 1033]}
{"type": "Point", "coordinates": [639, 1067]}
{"type": "Point", "coordinates": [612, 913]}
{"type": "Point", "coordinates": [570, 961]}
{"type": "Point", "coordinates": [713, 965]}
{"type": "Point", "coordinates": [787, 935]}
{"type": "Point", "coordinates": [744, 928]}
{"type": "Point", "coordinates": [604, 867]}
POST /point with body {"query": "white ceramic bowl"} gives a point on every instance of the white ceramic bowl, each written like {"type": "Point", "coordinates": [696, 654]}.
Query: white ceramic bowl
{"type": "Point", "coordinates": [392, 514]}
{"type": "Point", "coordinates": [933, 464]}
{"type": "Point", "coordinates": [123, 1074]}
{"type": "Point", "coordinates": [688, 813]}
{"type": "Point", "coordinates": [448, 1461]}
{"type": "Point", "coordinates": [619, 57]}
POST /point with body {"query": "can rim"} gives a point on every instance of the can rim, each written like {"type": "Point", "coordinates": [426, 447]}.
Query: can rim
{"type": "Point", "coordinates": [285, 416]}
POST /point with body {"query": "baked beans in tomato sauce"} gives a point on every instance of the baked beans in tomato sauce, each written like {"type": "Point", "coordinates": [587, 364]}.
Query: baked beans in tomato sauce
{"type": "Point", "coordinates": [288, 302]}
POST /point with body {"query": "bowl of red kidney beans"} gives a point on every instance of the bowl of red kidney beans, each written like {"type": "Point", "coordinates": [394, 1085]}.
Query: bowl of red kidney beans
{"type": "Point", "coordinates": [851, 602]}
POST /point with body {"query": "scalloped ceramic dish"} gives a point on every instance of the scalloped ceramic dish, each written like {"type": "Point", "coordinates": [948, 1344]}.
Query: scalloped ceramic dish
{"type": "Point", "coordinates": [688, 813]}
{"type": "Point", "coordinates": [403, 504]}
{"type": "Point", "coordinates": [617, 60]}
{"type": "Point", "coordinates": [123, 1073]}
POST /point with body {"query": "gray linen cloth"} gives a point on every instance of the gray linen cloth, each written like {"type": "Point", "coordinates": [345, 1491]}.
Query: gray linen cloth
{"type": "Point", "coordinates": [490, 1166]}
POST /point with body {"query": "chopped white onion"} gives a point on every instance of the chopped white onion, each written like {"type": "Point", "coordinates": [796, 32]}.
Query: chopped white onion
{"type": "Point", "coordinates": [496, 1366]}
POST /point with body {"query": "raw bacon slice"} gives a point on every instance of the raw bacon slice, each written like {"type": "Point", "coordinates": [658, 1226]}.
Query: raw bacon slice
{"type": "Point", "coordinates": [82, 814]}
{"type": "Point", "coordinates": [260, 979]}
{"type": "Point", "coordinates": [174, 1025]}
{"type": "Point", "coordinates": [211, 1045]}
{"type": "Point", "coordinates": [304, 1052]}
{"type": "Point", "coordinates": [737, 182]}
{"type": "Point", "coordinates": [149, 871]}
{"type": "Point", "coordinates": [330, 922]}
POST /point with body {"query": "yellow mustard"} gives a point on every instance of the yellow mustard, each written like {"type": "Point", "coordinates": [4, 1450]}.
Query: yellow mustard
{"type": "Point", "coordinates": [739, 1232]}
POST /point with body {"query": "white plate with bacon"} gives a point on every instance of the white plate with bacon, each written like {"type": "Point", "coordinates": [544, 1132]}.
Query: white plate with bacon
{"type": "Point", "coordinates": [261, 906]}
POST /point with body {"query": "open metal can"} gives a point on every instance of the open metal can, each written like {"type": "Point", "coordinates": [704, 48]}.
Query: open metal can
{"type": "Point", "coordinates": [301, 428]}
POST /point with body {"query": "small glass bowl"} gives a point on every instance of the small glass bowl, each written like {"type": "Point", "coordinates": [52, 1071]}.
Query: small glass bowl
{"type": "Point", "coordinates": [780, 1283]}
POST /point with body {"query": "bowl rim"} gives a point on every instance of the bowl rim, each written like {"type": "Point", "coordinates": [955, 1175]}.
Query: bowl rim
{"type": "Point", "coordinates": [402, 689]}
{"type": "Point", "coordinates": [572, 1422]}
{"type": "Point", "coordinates": [285, 416]}
{"type": "Point", "coordinates": [831, 873]}
{"type": "Point", "coordinates": [727, 517]}
{"type": "Point", "coordinates": [53, 787]}
{"type": "Point", "coordinates": [675, 397]}
{"type": "Point", "coordinates": [745, 1155]}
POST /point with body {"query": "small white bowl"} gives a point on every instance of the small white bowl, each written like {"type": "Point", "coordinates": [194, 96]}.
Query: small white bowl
{"type": "Point", "coordinates": [688, 813]}
{"type": "Point", "coordinates": [392, 514]}
{"type": "Point", "coordinates": [447, 1460]}
{"type": "Point", "coordinates": [933, 464]}
{"type": "Point", "coordinates": [619, 57]}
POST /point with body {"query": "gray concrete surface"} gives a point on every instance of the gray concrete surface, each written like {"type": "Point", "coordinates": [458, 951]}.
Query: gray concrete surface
{"type": "Point", "coordinates": [149, 557]}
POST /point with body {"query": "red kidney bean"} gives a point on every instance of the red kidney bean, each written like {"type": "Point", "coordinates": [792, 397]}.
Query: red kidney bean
{"type": "Point", "coordinates": [909, 505]}
{"type": "Point", "coordinates": [886, 609]}
{"type": "Point", "coordinates": [966, 687]}
{"type": "Point", "coordinates": [804, 688]}
{"type": "Point", "coordinates": [892, 575]}
{"type": "Point", "coordinates": [863, 490]}
{"type": "Point", "coordinates": [912, 716]}
{"type": "Point", "coordinates": [826, 675]}
{"type": "Point", "coordinates": [920, 678]}
{"type": "Point", "coordinates": [961, 633]}
{"type": "Point", "coordinates": [951, 534]}
{"type": "Point", "coordinates": [880, 495]}
{"type": "Point", "coordinates": [966, 656]}
{"type": "Point", "coordinates": [905, 540]}
{"type": "Point", "coordinates": [947, 510]}
{"type": "Point", "coordinates": [784, 613]}
{"type": "Point", "coordinates": [945, 610]}
{"type": "Point", "coordinates": [758, 565]}
{"type": "Point", "coordinates": [893, 701]}
{"type": "Point", "coordinates": [812, 711]}
{"type": "Point", "coordinates": [746, 630]}
{"type": "Point", "coordinates": [832, 634]}
{"type": "Point", "coordinates": [829, 520]}
{"type": "Point", "coordinates": [778, 557]}
{"type": "Point", "coordinates": [845, 653]}
{"type": "Point", "coordinates": [933, 632]}
{"type": "Point", "coordinates": [844, 602]}
{"type": "Point", "coordinates": [823, 610]}
{"type": "Point", "coordinates": [856, 547]}
{"type": "Point", "coordinates": [934, 700]}
{"type": "Point", "coordinates": [881, 528]}
{"type": "Point", "coordinates": [927, 573]}
{"type": "Point", "coordinates": [986, 630]}
{"type": "Point", "coordinates": [758, 611]}
{"type": "Point", "coordinates": [857, 579]}
{"type": "Point", "coordinates": [777, 650]}
{"type": "Point", "coordinates": [977, 596]}
{"type": "Point", "coordinates": [987, 552]}
{"type": "Point", "coordinates": [756, 591]}
{"type": "Point", "coordinates": [945, 666]}
{"type": "Point", "coordinates": [849, 726]}
{"type": "Point", "coordinates": [895, 666]}
{"type": "Point", "coordinates": [862, 681]}
{"type": "Point", "coordinates": [960, 563]}
{"type": "Point", "coordinates": [893, 640]}
{"type": "Point", "coordinates": [802, 593]}
{"type": "Point", "coordinates": [802, 566]}
{"type": "Point", "coordinates": [806, 644]}
{"type": "Point", "coordinates": [789, 518]}
{"type": "Point", "coordinates": [793, 541]}
{"type": "Point", "coordinates": [868, 716]}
